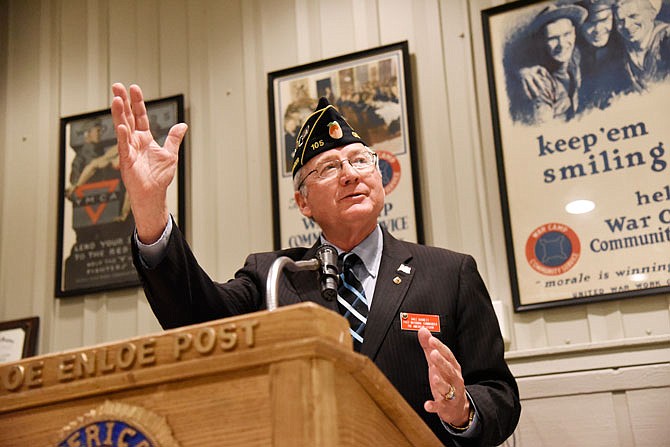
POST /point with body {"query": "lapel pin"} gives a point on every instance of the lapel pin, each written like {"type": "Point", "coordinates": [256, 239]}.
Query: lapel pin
{"type": "Point", "coordinates": [397, 280]}
{"type": "Point", "coordinates": [405, 269]}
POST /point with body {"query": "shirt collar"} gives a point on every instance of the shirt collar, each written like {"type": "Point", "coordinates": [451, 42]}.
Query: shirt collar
{"type": "Point", "coordinates": [369, 250]}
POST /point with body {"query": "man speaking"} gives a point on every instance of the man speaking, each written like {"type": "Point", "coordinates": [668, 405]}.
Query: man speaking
{"type": "Point", "coordinates": [452, 373]}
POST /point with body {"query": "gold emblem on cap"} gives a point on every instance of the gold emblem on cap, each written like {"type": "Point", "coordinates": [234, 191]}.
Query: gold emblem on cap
{"type": "Point", "coordinates": [303, 135]}
{"type": "Point", "coordinates": [397, 280]}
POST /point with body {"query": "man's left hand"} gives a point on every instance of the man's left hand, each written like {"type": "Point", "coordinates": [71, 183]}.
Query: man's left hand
{"type": "Point", "coordinates": [444, 372]}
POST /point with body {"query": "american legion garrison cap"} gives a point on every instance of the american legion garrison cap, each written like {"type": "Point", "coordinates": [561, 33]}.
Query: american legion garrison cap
{"type": "Point", "coordinates": [323, 130]}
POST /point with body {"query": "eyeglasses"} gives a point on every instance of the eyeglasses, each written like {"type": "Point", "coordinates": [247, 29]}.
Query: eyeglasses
{"type": "Point", "coordinates": [361, 161]}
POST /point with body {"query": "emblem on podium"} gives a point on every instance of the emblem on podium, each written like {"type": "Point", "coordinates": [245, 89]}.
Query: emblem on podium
{"type": "Point", "coordinates": [118, 424]}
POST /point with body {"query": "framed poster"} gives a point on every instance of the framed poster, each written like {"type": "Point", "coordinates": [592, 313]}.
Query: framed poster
{"type": "Point", "coordinates": [371, 89]}
{"type": "Point", "coordinates": [94, 217]}
{"type": "Point", "coordinates": [18, 339]}
{"type": "Point", "coordinates": [581, 133]}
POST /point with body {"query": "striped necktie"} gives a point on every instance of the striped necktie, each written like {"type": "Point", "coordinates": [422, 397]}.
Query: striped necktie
{"type": "Point", "coordinates": [351, 299]}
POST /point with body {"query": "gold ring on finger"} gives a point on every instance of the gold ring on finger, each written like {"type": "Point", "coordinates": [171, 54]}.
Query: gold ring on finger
{"type": "Point", "coordinates": [449, 395]}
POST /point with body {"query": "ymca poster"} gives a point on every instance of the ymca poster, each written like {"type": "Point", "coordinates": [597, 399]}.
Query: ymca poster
{"type": "Point", "coordinates": [579, 94]}
{"type": "Point", "coordinates": [95, 219]}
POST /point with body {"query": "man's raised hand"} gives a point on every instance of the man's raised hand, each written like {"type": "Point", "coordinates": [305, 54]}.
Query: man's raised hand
{"type": "Point", "coordinates": [147, 168]}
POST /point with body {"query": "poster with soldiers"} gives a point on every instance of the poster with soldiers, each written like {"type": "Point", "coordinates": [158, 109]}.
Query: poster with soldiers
{"type": "Point", "coordinates": [372, 90]}
{"type": "Point", "coordinates": [578, 98]}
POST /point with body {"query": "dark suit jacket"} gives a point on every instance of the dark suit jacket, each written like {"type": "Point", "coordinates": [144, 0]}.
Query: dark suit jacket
{"type": "Point", "coordinates": [440, 282]}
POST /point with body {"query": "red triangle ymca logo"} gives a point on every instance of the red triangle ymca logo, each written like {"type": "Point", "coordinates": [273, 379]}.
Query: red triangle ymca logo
{"type": "Point", "coordinates": [94, 211]}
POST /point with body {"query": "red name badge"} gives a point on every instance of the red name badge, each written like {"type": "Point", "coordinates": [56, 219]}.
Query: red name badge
{"type": "Point", "coordinates": [414, 322]}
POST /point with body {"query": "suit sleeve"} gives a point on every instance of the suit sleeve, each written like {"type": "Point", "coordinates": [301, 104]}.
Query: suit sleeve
{"type": "Point", "coordinates": [480, 352]}
{"type": "Point", "coordinates": [181, 293]}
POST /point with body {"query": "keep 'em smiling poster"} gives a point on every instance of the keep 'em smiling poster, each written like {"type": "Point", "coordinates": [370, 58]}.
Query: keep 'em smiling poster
{"type": "Point", "coordinates": [580, 95]}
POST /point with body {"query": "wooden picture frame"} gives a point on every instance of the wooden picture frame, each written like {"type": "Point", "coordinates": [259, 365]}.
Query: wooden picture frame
{"type": "Point", "coordinates": [581, 142]}
{"type": "Point", "coordinates": [95, 222]}
{"type": "Point", "coordinates": [372, 90]}
{"type": "Point", "coordinates": [18, 339]}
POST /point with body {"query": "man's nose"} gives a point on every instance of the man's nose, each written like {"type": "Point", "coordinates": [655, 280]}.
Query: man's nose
{"type": "Point", "coordinates": [348, 173]}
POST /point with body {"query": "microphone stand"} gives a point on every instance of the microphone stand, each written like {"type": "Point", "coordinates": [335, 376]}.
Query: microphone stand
{"type": "Point", "coordinates": [272, 284]}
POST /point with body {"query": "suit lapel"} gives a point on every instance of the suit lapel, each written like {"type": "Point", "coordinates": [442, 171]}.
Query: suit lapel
{"type": "Point", "coordinates": [390, 290]}
{"type": "Point", "coordinates": [392, 285]}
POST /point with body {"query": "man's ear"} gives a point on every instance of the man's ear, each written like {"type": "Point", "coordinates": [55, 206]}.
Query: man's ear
{"type": "Point", "coordinates": [301, 201]}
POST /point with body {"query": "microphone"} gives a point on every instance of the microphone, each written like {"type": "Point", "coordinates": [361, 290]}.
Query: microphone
{"type": "Point", "coordinates": [328, 273]}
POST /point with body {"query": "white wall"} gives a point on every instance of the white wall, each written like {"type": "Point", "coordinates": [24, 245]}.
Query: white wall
{"type": "Point", "coordinates": [603, 365]}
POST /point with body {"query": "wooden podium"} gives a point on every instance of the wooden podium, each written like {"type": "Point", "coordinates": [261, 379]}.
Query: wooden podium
{"type": "Point", "coordinates": [282, 378]}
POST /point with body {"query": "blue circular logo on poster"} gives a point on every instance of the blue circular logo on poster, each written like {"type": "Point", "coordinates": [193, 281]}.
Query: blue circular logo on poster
{"type": "Point", "coordinates": [389, 166]}
{"type": "Point", "coordinates": [553, 249]}
{"type": "Point", "coordinates": [386, 170]}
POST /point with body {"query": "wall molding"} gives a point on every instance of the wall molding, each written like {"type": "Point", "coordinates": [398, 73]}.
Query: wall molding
{"type": "Point", "coordinates": [600, 381]}
{"type": "Point", "coordinates": [590, 356]}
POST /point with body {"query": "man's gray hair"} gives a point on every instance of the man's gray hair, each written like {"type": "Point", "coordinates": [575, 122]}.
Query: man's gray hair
{"type": "Point", "coordinates": [296, 182]}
